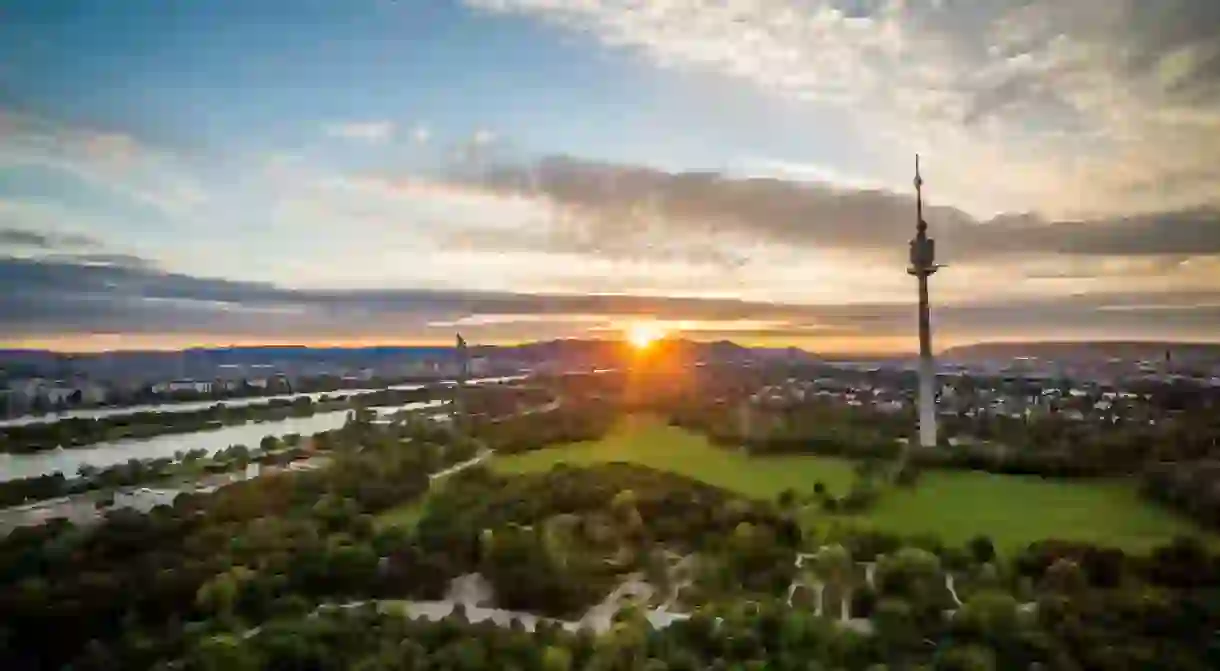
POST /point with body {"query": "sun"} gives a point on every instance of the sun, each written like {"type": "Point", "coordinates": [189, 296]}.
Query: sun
{"type": "Point", "coordinates": [641, 335]}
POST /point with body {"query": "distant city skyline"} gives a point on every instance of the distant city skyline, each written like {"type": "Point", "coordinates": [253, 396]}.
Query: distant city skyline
{"type": "Point", "coordinates": [378, 171]}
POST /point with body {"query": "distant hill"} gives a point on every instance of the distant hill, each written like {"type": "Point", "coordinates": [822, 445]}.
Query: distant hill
{"type": "Point", "coordinates": [1085, 351]}
{"type": "Point", "coordinates": [204, 362]}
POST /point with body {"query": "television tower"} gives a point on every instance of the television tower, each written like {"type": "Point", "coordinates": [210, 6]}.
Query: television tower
{"type": "Point", "coordinates": [923, 265]}
{"type": "Point", "coordinates": [459, 422]}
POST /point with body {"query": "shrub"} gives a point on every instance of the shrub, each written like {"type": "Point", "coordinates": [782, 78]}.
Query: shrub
{"type": "Point", "coordinates": [982, 549]}
{"type": "Point", "coordinates": [908, 475]}
{"type": "Point", "coordinates": [863, 601]}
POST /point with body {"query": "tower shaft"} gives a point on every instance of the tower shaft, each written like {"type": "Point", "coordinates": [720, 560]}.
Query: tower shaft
{"type": "Point", "coordinates": [927, 370]}
{"type": "Point", "coordinates": [923, 265]}
{"type": "Point", "coordinates": [459, 419]}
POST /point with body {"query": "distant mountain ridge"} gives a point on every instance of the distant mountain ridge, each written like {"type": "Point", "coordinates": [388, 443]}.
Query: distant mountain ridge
{"type": "Point", "coordinates": [1147, 350]}
{"type": "Point", "coordinates": [204, 362]}
{"type": "Point", "coordinates": [573, 350]}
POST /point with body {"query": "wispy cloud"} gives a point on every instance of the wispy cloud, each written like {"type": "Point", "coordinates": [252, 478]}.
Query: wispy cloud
{"type": "Point", "coordinates": [106, 160]}
{"type": "Point", "coordinates": [363, 131]}
{"type": "Point", "coordinates": [1084, 109]}
{"type": "Point", "coordinates": [623, 206]}
{"type": "Point", "coordinates": [483, 136]}
{"type": "Point", "coordinates": [15, 237]}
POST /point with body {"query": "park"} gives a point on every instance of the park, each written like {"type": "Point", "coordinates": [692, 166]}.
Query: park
{"type": "Point", "coordinates": [954, 505]}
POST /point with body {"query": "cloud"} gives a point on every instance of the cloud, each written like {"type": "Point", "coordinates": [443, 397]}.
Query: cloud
{"type": "Point", "coordinates": [483, 137]}
{"type": "Point", "coordinates": [421, 134]}
{"type": "Point", "coordinates": [112, 165]}
{"type": "Point", "coordinates": [49, 297]}
{"type": "Point", "coordinates": [102, 259]}
{"type": "Point", "coordinates": [14, 237]}
{"type": "Point", "coordinates": [51, 246]}
{"type": "Point", "coordinates": [363, 131]}
{"type": "Point", "coordinates": [621, 210]}
{"type": "Point", "coordinates": [1083, 109]}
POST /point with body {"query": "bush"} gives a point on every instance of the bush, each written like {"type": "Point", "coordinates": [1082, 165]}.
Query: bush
{"type": "Point", "coordinates": [966, 658]}
{"type": "Point", "coordinates": [908, 475]}
{"type": "Point", "coordinates": [861, 498]}
{"type": "Point", "coordinates": [863, 601]}
{"type": "Point", "coordinates": [956, 559]}
{"type": "Point", "coordinates": [982, 549]}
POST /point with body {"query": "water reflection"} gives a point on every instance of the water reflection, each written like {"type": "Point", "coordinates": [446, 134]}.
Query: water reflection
{"type": "Point", "coordinates": [184, 406]}
{"type": "Point", "coordinates": [189, 406]}
{"type": "Point", "coordinates": [101, 455]}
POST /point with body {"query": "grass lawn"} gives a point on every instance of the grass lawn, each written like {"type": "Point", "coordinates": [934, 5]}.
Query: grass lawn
{"type": "Point", "coordinates": [1017, 510]}
{"type": "Point", "coordinates": [650, 443]}
{"type": "Point", "coordinates": [954, 505]}
{"type": "Point", "coordinates": [407, 514]}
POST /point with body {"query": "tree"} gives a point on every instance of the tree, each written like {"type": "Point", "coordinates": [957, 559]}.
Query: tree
{"type": "Point", "coordinates": [558, 534]}
{"type": "Point", "coordinates": [966, 658]}
{"type": "Point", "coordinates": [834, 565]}
{"type": "Point", "coordinates": [656, 570]}
{"type": "Point", "coordinates": [1184, 563]}
{"type": "Point", "coordinates": [224, 652]}
{"type": "Point", "coordinates": [556, 658]}
{"type": "Point", "coordinates": [896, 625]}
{"type": "Point", "coordinates": [625, 512]}
{"type": "Point", "coordinates": [1065, 576]}
{"type": "Point", "coordinates": [982, 549]}
{"type": "Point", "coordinates": [219, 595]}
{"type": "Point", "coordinates": [909, 572]}
{"type": "Point", "coordinates": [991, 615]}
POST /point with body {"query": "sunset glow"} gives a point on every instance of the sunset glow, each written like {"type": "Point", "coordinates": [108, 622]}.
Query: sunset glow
{"type": "Point", "coordinates": [643, 334]}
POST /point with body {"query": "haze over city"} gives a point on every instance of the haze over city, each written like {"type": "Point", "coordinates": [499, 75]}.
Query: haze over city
{"type": "Point", "coordinates": [376, 171]}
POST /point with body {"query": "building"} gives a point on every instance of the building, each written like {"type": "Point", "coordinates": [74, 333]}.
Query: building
{"type": "Point", "coordinates": [93, 394]}
{"type": "Point", "coordinates": [480, 366]}
{"type": "Point", "coordinates": [179, 386]}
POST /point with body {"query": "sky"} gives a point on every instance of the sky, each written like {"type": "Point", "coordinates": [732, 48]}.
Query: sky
{"type": "Point", "coordinates": [178, 174]}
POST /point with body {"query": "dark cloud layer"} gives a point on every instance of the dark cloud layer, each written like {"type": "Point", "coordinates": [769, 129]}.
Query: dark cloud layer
{"type": "Point", "coordinates": [623, 204]}
{"type": "Point", "coordinates": [17, 237]}
{"type": "Point", "coordinates": [39, 298]}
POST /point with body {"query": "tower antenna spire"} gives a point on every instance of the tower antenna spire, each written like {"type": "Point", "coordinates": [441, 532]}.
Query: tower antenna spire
{"type": "Point", "coordinates": [923, 265]}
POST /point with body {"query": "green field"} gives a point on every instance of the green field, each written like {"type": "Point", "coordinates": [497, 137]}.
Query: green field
{"type": "Point", "coordinates": [954, 505]}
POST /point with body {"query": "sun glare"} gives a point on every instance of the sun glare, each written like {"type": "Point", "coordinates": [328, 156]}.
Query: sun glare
{"type": "Point", "coordinates": [642, 335]}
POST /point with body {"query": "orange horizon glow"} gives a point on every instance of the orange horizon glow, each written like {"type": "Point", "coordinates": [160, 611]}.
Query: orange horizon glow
{"type": "Point", "coordinates": [96, 343]}
{"type": "Point", "coordinates": [641, 335]}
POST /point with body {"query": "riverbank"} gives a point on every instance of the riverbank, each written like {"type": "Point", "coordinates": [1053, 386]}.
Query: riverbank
{"type": "Point", "coordinates": [232, 402]}
{"type": "Point", "coordinates": [88, 508]}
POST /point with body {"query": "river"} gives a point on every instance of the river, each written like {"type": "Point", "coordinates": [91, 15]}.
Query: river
{"type": "Point", "coordinates": [189, 406]}
{"type": "Point", "coordinates": [101, 455]}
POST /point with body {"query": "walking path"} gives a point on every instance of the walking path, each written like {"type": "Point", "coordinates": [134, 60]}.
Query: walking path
{"type": "Point", "coordinates": [472, 592]}
{"type": "Point", "coordinates": [457, 468]}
